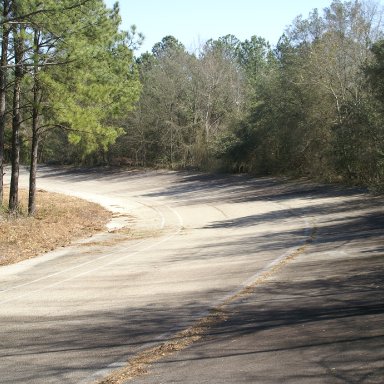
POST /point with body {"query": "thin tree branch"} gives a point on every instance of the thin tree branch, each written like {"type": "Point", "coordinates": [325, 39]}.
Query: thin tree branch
{"type": "Point", "coordinates": [19, 19]}
{"type": "Point", "coordinates": [39, 65]}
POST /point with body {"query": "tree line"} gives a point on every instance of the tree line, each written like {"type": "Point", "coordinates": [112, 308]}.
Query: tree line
{"type": "Point", "coordinates": [72, 92]}
{"type": "Point", "coordinates": [310, 106]}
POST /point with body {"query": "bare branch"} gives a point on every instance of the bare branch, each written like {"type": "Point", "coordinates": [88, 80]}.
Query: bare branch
{"type": "Point", "coordinates": [41, 65]}
{"type": "Point", "coordinates": [19, 19]}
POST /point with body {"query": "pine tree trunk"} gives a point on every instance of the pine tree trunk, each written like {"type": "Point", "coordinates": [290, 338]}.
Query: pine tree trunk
{"type": "Point", "coordinates": [15, 152]}
{"type": "Point", "coordinates": [33, 169]}
{"type": "Point", "coordinates": [35, 132]}
{"type": "Point", "coordinates": [3, 85]}
{"type": "Point", "coordinates": [16, 123]}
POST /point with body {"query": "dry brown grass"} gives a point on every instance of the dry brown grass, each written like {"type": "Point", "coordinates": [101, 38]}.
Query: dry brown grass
{"type": "Point", "coordinates": [59, 220]}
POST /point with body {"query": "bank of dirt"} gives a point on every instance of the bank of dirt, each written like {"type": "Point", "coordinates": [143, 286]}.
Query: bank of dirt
{"type": "Point", "coordinates": [59, 220]}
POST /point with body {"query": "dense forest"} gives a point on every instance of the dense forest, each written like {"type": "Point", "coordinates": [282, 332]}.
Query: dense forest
{"type": "Point", "coordinates": [73, 92]}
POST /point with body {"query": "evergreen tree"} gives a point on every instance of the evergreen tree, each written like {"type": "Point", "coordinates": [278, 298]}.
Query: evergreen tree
{"type": "Point", "coordinates": [73, 70]}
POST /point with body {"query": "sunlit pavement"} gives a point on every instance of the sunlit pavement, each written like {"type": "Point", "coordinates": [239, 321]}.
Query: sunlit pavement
{"type": "Point", "coordinates": [317, 320]}
{"type": "Point", "coordinates": [74, 315]}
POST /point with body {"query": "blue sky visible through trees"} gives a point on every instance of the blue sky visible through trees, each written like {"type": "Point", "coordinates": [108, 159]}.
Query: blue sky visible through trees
{"type": "Point", "coordinates": [194, 22]}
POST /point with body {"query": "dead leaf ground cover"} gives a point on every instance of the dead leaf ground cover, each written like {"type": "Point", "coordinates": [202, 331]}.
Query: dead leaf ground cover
{"type": "Point", "coordinates": [59, 219]}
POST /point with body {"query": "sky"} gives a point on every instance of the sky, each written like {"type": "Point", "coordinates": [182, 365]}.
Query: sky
{"type": "Point", "coordinates": [193, 22]}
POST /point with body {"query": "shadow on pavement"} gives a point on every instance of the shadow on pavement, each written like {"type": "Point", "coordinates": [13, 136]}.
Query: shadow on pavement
{"type": "Point", "coordinates": [320, 321]}
{"type": "Point", "coordinates": [324, 326]}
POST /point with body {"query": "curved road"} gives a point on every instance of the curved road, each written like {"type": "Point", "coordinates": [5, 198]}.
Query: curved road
{"type": "Point", "coordinates": [195, 242]}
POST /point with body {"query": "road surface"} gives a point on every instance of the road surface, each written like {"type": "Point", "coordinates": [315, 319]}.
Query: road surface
{"type": "Point", "coordinates": [196, 241]}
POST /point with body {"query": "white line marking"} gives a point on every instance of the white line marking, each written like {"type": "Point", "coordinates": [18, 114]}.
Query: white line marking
{"type": "Point", "coordinates": [162, 225]}
{"type": "Point", "coordinates": [90, 270]}
{"type": "Point", "coordinates": [92, 261]}
{"type": "Point", "coordinates": [164, 336]}
{"type": "Point", "coordinates": [61, 271]}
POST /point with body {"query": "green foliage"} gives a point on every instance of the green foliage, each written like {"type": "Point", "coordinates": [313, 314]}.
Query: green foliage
{"type": "Point", "coordinates": [92, 80]}
{"type": "Point", "coordinates": [168, 46]}
{"type": "Point", "coordinates": [187, 102]}
{"type": "Point", "coordinates": [312, 111]}
{"type": "Point", "coordinates": [312, 105]}
{"type": "Point", "coordinates": [375, 71]}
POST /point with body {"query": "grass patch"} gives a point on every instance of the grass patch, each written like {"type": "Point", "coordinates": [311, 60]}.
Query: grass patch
{"type": "Point", "coordinates": [59, 219]}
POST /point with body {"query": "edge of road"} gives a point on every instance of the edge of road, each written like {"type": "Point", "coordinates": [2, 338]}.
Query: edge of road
{"type": "Point", "coordinates": [181, 337]}
{"type": "Point", "coordinates": [202, 320]}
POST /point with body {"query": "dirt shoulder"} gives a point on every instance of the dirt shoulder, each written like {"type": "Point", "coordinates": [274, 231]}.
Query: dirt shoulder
{"type": "Point", "coordinates": [59, 220]}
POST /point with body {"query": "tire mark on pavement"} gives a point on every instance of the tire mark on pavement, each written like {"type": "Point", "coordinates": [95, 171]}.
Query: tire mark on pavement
{"type": "Point", "coordinates": [121, 372]}
{"type": "Point", "coordinates": [93, 261]}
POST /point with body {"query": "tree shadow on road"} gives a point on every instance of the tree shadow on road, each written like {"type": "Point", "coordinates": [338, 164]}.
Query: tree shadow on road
{"type": "Point", "coordinates": [319, 321]}
{"type": "Point", "coordinates": [325, 327]}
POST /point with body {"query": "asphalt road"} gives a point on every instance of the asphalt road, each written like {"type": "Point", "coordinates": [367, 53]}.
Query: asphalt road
{"type": "Point", "coordinates": [77, 313]}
